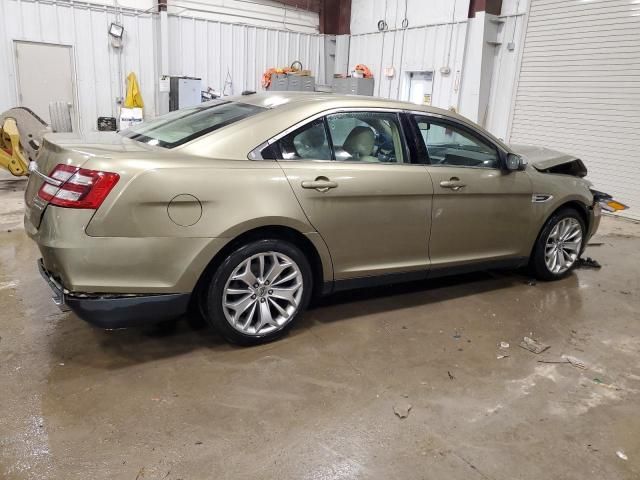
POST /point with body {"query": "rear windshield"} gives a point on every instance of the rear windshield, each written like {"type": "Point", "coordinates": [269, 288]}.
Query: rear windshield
{"type": "Point", "coordinates": [182, 126]}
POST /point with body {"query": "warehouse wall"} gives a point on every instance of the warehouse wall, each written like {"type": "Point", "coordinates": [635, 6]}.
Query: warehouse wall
{"type": "Point", "coordinates": [265, 13]}
{"type": "Point", "coordinates": [231, 58]}
{"type": "Point", "coordinates": [198, 47]}
{"type": "Point", "coordinates": [262, 13]}
{"type": "Point", "coordinates": [99, 69]}
{"type": "Point", "coordinates": [434, 38]}
{"type": "Point", "coordinates": [365, 14]}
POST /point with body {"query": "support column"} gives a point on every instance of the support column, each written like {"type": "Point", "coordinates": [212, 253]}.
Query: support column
{"type": "Point", "coordinates": [164, 69]}
{"type": "Point", "coordinates": [482, 38]}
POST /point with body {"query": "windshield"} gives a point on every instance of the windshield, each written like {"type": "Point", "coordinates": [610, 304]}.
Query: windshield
{"type": "Point", "coordinates": [184, 125]}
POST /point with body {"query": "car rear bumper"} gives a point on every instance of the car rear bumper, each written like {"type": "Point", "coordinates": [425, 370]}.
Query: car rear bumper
{"type": "Point", "coordinates": [117, 310]}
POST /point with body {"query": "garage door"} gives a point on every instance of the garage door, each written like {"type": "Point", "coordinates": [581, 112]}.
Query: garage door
{"type": "Point", "coordinates": [579, 89]}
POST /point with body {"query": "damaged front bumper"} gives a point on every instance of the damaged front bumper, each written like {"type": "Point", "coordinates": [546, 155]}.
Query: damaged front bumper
{"type": "Point", "coordinates": [116, 310]}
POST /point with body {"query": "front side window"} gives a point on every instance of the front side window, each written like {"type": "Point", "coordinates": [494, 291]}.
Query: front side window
{"type": "Point", "coordinates": [453, 146]}
{"type": "Point", "coordinates": [308, 142]}
{"type": "Point", "coordinates": [366, 137]}
{"type": "Point", "coordinates": [182, 126]}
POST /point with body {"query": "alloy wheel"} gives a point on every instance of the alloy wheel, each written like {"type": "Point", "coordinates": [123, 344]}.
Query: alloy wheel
{"type": "Point", "coordinates": [263, 293]}
{"type": "Point", "coordinates": [563, 245]}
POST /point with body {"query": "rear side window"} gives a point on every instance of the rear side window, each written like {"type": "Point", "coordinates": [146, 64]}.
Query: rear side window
{"type": "Point", "coordinates": [308, 142]}
{"type": "Point", "coordinates": [351, 137]}
{"type": "Point", "coordinates": [182, 126]}
{"type": "Point", "coordinates": [366, 137]}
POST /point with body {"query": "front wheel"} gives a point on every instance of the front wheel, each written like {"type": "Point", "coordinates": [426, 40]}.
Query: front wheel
{"type": "Point", "coordinates": [559, 245]}
{"type": "Point", "coordinates": [258, 291]}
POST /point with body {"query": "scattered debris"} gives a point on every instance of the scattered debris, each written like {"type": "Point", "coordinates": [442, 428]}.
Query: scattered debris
{"type": "Point", "coordinates": [576, 362]}
{"type": "Point", "coordinates": [532, 283]}
{"type": "Point", "coordinates": [606, 385]}
{"type": "Point", "coordinates": [457, 335]}
{"type": "Point", "coordinates": [140, 474]}
{"type": "Point", "coordinates": [402, 409]}
{"type": "Point", "coordinates": [404, 395]}
{"type": "Point", "coordinates": [532, 345]}
{"type": "Point", "coordinates": [404, 327]}
{"type": "Point", "coordinates": [621, 455]}
{"type": "Point", "coordinates": [500, 357]}
{"type": "Point", "coordinates": [61, 364]}
{"type": "Point", "coordinates": [198, 442]}
{"type": "Point", "coordinates": [625, 292]}
{"type": "Point", "coordinates": [568, 360]}
{"type": "Point", "coordinates": [504, 345]}
{"type": "Point", "coordinates": [451, 377]}
{"type": "Point", "coordinates": [587, 263]}
{"type": "Point", "coordinates": [595, 244]}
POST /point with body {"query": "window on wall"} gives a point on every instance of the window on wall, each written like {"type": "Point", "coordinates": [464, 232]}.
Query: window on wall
{"type": "Point", "coordinates": [366, 137]}
{"type": "Point", "coordinates": [449, 145]}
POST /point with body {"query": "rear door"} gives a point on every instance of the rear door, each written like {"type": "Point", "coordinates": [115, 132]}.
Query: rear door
{"type": "Point", "coordinates": [481, 212]}
{"type": "Point", "coordinates": [355, 180]}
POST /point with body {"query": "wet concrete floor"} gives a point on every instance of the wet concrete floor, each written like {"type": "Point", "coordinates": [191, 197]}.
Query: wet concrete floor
{"type": "Point", "coordinates": [78, 402]}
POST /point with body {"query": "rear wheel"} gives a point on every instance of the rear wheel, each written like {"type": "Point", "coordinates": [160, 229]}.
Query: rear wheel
{"type": "Point", "coordinates": [258, 292]}
{"type": "Point", "coordinates": [559, 245]}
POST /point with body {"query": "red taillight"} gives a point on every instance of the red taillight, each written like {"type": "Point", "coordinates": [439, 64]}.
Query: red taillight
{"type": "Point", "coordinates": [81, 188]}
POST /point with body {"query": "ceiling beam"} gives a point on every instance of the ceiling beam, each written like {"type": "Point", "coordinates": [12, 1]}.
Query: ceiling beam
{"type": "Point", "coordinates": [335, 17]}
{"type": "Point", "coordinates": [309, 5]}
{"type": "Point", "coordinates": [490, 6]}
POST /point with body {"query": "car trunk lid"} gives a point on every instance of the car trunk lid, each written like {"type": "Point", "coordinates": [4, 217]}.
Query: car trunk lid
{"type": "Point", "coordinates": [71, 150]}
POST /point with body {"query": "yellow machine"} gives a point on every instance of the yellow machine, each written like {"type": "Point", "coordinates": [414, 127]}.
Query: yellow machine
{"type": "Point", "coordinates": [11, 155]}
{"type": "Point", "coordinates": [21, 132]}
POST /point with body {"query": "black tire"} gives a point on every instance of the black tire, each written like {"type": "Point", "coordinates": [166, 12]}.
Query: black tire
{"type": "Point", "coordinates": [537, 262]}
{"type": "Point", "coordinates": [212, 302]}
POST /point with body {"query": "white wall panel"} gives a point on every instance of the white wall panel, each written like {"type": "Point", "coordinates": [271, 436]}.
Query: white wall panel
{"type": "Point", "coordinates": [425, 48]}
{"type": "Point", "coordinates": [365, 14]}
{"type": "Point", "coordinates": [99, 69]}
{"type": "Point", "coordinates": [218, 51]}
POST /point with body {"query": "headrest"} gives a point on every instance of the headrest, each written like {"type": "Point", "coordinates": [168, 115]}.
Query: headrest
{"type": "Point", "coordinates": [360, 142]}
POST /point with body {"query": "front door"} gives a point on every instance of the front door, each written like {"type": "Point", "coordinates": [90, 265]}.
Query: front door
{"type": "Point", "coordinates": [354, 179]}
{"type": "Point", "coordinates": [481, 212]}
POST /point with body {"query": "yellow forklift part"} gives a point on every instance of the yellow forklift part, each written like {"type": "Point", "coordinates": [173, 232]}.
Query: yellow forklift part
{"type": "Point", "coordinates": [11, 156]}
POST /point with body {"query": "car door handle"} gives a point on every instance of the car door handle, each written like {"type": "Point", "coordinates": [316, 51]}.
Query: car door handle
{"type": "Point", "coordinates": [454, 184]}
{"type": "Point", "coordinates": [321, 184]}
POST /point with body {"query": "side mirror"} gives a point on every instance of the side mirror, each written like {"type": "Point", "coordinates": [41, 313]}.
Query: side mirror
{"type": "Point", "coordinates": [515, 162]}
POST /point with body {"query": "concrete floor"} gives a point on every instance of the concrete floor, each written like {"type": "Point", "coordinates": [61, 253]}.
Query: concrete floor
{"type": "Point", "coordinates": [81, 403]}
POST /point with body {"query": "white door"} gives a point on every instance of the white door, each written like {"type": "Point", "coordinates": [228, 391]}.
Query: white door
{"type": "Point", "coordinates": [45, 75]}
{"type": "Point", "coordinates": [579, 89]}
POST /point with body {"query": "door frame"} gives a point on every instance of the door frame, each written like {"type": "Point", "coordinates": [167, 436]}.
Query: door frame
{"type": "Point", "coordinates": [75, 110]}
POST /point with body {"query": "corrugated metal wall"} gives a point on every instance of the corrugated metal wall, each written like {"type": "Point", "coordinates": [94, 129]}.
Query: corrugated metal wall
{"type": "Point", "coordinates": [579, 89]}
{"type": "Point", "coordinates": [232, 57]}
{"type": "Point", "coordinates": [426, 48]}
{"type": "Point", "coordinates": [99, 69]}
{"type": "Point", "coordinates": [198, 47]}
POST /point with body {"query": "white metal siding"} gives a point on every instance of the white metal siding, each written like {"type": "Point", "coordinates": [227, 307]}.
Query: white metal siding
{"type": "Point", "coordinates": [100, 70]}
{"type": "Point", "coordinates": [425, 48]}
{"type": "Point", "coordinates": [210, 50]}
{"type": "Point", "coordinates": [579, 89]}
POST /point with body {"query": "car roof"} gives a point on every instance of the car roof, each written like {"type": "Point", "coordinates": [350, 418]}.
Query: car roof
{"type": "Point", "coordinates": [277, 99]}
{"type": "Point", "coordinates": [316, 102]}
